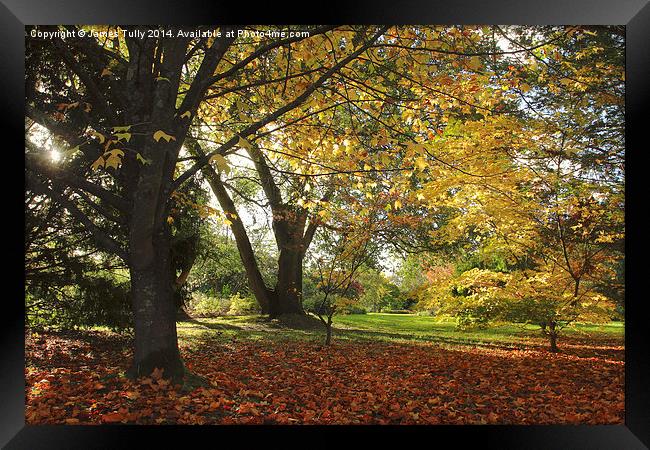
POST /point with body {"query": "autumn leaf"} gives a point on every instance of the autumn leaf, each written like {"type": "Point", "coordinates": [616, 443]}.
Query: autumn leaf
{"type": "Point", "coordinates": [113, 161]}
{"type": "Point", "coordinates": [140, 158]}
{"type": "Point", "coordinates": [115, 153]}
{"type": "Point", "coordinates": [186, 115]}
{"type": "Point", "coordinates": [121, 129]}
{"type": "Point", "coordinates": [99, 162]}
{"type": "Point", "coordinates": [243, 143]}
{"type": "Point", "coordinates": [99, 136]}
{"type": "Point", "coordinates": [221, 162]}
{"type": "Point", "coordinates": [112, 417]}
{"type": "Point", "coordinates": [125, 136]}
{"type": "Point", "coordinates": [474, 63]}
{"type": "Point", "coordinates": [106, 72]}
{"type": "Point", "coordinates": [158, 135]}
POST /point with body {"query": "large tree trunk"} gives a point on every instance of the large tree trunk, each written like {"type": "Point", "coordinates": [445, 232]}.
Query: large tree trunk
{"type": "Point", "coordinates": [262, 294]}
{"type": "Point", "coordinates": [288, 290]}
{"type": "Point", "coordinates": [156, 341]}
{"type": "Point", "coordinates": [289, 229]}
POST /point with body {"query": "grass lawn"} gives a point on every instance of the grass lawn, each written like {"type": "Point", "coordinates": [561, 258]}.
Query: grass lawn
{"type": "Point", "coordinates": [394, 327]}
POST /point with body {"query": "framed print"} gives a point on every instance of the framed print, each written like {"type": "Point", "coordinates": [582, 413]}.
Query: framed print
{"type": "Point", "coordinates": [378, 221]}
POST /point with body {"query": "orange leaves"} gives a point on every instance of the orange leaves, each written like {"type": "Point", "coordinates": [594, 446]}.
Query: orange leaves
{"type": "Point", "coordinates": [112, 417]}
{"type": "Point", "coordinates": [349, 383]}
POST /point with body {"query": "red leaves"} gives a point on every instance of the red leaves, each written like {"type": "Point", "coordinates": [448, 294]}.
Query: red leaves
{"type": "Point", "coordinates": [350, 383]}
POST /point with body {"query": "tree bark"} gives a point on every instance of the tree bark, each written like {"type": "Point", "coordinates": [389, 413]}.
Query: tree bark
{"type": "Point", "coordinates": [288, 290]}
{"type": "Point", "coordinates": [156, 341]}
{"type": "Point", "coordinates": [328, 336]}
{"type": "Point", "coordinates": [262, 294]}
{"type": "Point", "coordinates": [552, 336]}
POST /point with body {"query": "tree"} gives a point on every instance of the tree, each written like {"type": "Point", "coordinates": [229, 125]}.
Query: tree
{"type": "Point", "coordinates": [340, 255]}
{"type": "Point", "coordinates": [125, 104]}
{"type": "Point", "coordinates": [367, 126]}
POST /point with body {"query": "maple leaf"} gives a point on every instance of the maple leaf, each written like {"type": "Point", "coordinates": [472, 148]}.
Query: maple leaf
{"type": "Point", "coordinates": [99, 136]}
{"type": "Point", "coordinates": [243, 143]}
{"type": "Point", "coordinates": [99, 162]}
{"type": "Point", "coordinates": [158, 135]}
{"type": "Point", "coordinates": [125, 136]}
{"type": "Point", "coordinates": [140, 158]}
{"type": "Point", "coordinates": [221, 162]}
{"type": "Point", "coordinates": [122, 129]}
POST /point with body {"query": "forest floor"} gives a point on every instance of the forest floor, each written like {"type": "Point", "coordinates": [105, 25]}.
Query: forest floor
{"type": "Point", "coordinates": [380, 369]}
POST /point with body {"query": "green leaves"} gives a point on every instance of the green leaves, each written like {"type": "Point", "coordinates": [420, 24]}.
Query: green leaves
{"type": "Point", "coordinates": [141, 159]}
{"type": "Point", "coordinates": [123, 136]}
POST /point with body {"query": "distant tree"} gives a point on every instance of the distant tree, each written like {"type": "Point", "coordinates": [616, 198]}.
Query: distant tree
{"type": "Point", "coordinates": [340, 255]}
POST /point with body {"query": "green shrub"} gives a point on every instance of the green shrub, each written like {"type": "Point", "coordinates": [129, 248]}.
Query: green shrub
{"type": "Point", "coordinates": [353, 309]}
{"type": "Point", "coordinates": [202, 305]}
{"type": "Point", "coordinates": [94, 301]}
{"type": "Point", "coordinates": [243, 305]}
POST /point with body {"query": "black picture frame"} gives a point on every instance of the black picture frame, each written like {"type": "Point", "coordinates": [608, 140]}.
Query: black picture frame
{"type": "Point", "coordinates": [635, 14]}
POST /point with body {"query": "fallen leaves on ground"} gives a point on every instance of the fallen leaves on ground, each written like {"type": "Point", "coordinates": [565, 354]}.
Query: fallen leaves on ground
{"type": "Point", "coordinates": [77, 378]}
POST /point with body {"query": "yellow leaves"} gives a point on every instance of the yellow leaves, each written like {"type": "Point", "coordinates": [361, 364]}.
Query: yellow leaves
{"type": "Point", "coordinates": [524, 87]}
{"type": "Point", "coordinates": [221, 163]}
{"type": "Point", "coordinates": [421, 163]}
{"type": "Point", "coordinates": [121, 129]}
{"type": "Point", "coordinates": [111, 158]}
{"type": "Point", "coordinates": [413, 148]}
{"type": "Point", "coordinates": [114, 158]}
{"type": "Point", "coordinates": [123, 136]}
{"type": "Point", "coordinates": [243, 143]}
{"type": "Point", "coordinates": [98, 163]}
{"type": "Point", "coordinates": [474, 63]}
{"type": "Point", "coordinates": [106, 72]}
{"type": "Point", "coordinates": [186, 115]}
{"type": "Point", "coordinates": [163, 79]}
{"type": "Point", "coordinates": [170, 220]}
{"type": "Point", "coordinates": [99, 136]}
{"type": "Point", "coordinates": [115, 153]}
{"type": "Point", "coordinates": [160, 134]}
{"type": "Point", "coordinates": [566, 82]}
{"type": "Point", "coordinates": [398, 204]}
